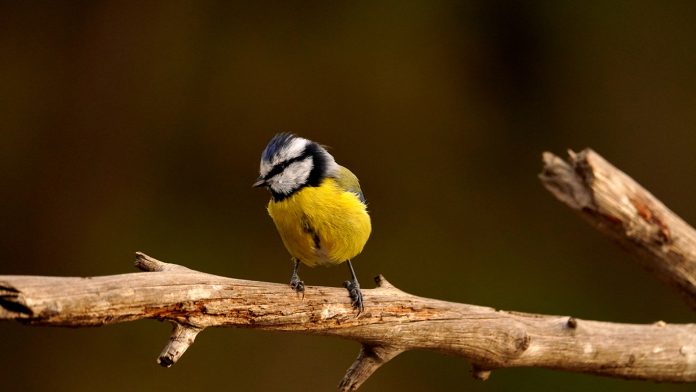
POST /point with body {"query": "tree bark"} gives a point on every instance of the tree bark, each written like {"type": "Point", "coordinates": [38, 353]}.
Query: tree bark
{"type": "Point", "coordinates": [393, 322]}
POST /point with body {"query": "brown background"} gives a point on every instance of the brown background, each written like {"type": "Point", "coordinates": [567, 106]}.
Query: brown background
{"type": "Point", "coordinates": [138, 126]}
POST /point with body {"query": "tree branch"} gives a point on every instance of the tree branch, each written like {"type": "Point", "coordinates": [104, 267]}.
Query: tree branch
{"type": "Point", "coordinates": [618, 206]}
{"type": "Point", "coordinates": [393, 322]}
{"type": "Point", "coordinates": [369, 360]}
{"type": "Point", "coordinates": [182, 338]}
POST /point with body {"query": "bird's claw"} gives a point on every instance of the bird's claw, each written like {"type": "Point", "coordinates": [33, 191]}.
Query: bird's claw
{"type": "Point", "coordinates": [297, 285]}
{"type": "Point", "coordinates": [355, 294]}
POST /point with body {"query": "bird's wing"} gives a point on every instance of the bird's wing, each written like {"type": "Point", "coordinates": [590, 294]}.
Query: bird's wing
{"type": "Point", "coordinates": [348, 181]}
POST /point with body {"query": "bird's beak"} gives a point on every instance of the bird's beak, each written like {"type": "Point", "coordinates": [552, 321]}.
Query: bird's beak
{"type": "Point", "coordinates": [259, 182]}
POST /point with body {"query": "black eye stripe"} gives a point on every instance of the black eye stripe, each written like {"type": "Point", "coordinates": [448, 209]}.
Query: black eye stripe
{"type": "Point", "coordinates": [316, 174]}
{"type": "Point", "coordinates": [278, 168]}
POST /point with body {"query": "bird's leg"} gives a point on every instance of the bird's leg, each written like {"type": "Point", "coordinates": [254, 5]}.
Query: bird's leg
{"type": "Point", "coordinates": [354, 289]}
{"type": "Point", "coordinates": [295, 281]}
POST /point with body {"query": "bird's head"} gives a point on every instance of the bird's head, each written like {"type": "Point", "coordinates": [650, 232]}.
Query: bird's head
{"type": "Point", "coordinates": [289, 163]}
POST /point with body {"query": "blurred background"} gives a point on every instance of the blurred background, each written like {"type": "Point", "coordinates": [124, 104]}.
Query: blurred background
{"type": "Point", "coordinates": [132, 126]}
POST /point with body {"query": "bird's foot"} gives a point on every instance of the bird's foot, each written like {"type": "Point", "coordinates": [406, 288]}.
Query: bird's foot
{"type": "Point", "coordinates": [297, 284]}
{"type": "Point", "coordinates": [355, 294]}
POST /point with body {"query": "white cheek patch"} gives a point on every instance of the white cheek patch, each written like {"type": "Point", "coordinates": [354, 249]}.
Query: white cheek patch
{"type": "Point", "coordinates": [293, 177]}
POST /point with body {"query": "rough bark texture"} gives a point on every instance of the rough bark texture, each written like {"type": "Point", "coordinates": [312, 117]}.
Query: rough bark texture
{"type": "Point", "coordinates": [393, 321]}
{"type": "Point", "coordinates": [619, 207]}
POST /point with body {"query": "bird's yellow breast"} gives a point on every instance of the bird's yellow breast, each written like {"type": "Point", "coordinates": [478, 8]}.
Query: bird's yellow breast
{"type": "Point", "coordinates": [322, 225]}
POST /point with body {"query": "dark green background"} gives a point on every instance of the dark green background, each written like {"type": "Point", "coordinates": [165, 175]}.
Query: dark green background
{"type": "Point", "coordinates": [138, 126]}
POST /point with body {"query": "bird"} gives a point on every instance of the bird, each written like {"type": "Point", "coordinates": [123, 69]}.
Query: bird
{"type": "Point", "coordinates": [317, 206]}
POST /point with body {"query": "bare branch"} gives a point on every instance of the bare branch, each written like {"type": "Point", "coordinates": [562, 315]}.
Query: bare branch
{"type": "Point", "coordinates": [619, 207]}
{"type": "Point", "coordinates": [393, 321]}
{"type": "Point", "coordinates": [368, 361]}
{"type": "Point", "coordinates": [182, 338]}
{"type": "Point", "coordinates": [147, 263]}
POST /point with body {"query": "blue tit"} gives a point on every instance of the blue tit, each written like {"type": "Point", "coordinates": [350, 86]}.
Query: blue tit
{"type": "Point", "coordinates": [316, 205]}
